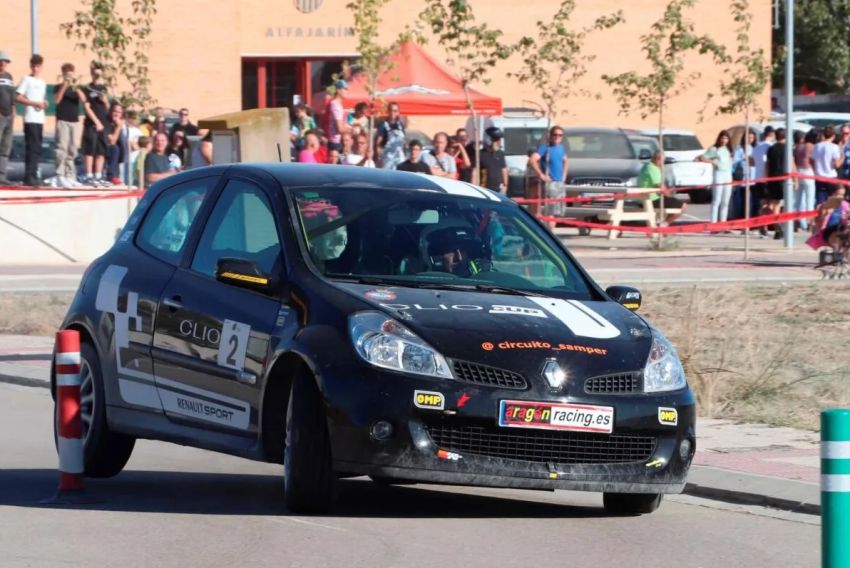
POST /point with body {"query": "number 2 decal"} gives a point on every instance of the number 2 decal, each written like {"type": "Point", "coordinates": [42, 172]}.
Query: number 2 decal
{"type": "Point", "coordinates": [233, 344]}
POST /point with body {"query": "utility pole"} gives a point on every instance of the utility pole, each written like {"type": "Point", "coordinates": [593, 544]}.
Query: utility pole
{"type": "Point", "coordinates": [789, 119]}
{"type": "Point", "coordinates": [33, 26]}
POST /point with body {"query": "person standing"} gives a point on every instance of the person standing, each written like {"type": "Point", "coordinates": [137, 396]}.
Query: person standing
{"type": "Point", "coordinates": [32, 92]}
{"type": "Point", "coordinates": [844, 145]}
{"type": "Point", "coordinates": [183, 124]}
{"type": "Point", "coordinates": [67, 96]}
{"type": "Point", "coordinates": [826, 159]}
{"type": "Point", "coordinates": [494, 167]}
{"type": "Point", "coordinates": [549, 162]}
{"type": "Point", "coordinates": [414, 163]}
{"type": "Point", "coordinates": [159, 121]}
{"type": "Point", "coordinates": [358, 118]}
{"type": "Point", "coordinates": [157, 165]}
{"type": "Point", "coordinates": [116, 142]}
{"type": "Point", "coordinates": [202, 152]}
{"type": "Point", "coordinates": [442, 163]}
{"type": "Point", "coordinates": [776, 167]}
{"type": "Point", "coordinates": [96, 106]}
{"type": "Point", "coordinates": [462, 136]}
{"type": "Point", "coordinates": [758, 159]}
{"type": "Point", "coordinates": [389, 139]}
{"type": "Point", "coordinates": [7, 114]}
{"type": "Point", "coordinates": [335, 116]}
{"type": "Point", "coordinates": [720, 156]}
{"type": "Point", "coordinates": [361, 155]}
{"type": "Point", "coordinates": [742, 170]}
{"type": "Point", "coordinates": [804, 197]}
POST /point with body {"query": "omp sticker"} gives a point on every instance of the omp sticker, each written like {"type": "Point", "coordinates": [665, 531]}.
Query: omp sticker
{"type": "Point", "coordinates": [668, 416]}
{"type": "Point", "coordinates": [450, 456]}
{"type": "Point", "coordinates": [381, 295]}
{"type": "Point", "coordinates": [233, 344]}
{"type": "Point", "coordinates": [429, 400]}
{"type": "Point", "coordinates": [656, 463]}
{"type": "Point", "coordinates": [579, 319]}
{"type": "Point", "coordinates": [518, 311]}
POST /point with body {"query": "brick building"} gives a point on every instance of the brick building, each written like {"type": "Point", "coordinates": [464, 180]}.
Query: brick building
{"type": "Point", "coordinates": [226, 55]}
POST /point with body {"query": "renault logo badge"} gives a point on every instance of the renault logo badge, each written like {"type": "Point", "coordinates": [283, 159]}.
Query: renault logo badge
{"type": "Point", "coordinates": [307, 6]}
{"type": "Point", "coordinates": [554, 374]}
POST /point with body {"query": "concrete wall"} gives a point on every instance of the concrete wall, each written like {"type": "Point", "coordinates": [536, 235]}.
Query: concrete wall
{"type": "Point", "coordinates": [55, 233]}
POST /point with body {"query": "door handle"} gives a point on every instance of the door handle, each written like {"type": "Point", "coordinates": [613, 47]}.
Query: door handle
{"type": "Point", "coordinates": [173, 303]}
{"type": "Point", "coordinates": [246, 377]}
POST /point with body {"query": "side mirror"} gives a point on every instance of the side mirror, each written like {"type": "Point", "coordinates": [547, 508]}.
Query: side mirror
{"type": "Point", "coordinates": [244, 274]}
{"type": "Point", "coordinates": [626, 295]}
{"type": "Point", "coordinates": [645, 154]}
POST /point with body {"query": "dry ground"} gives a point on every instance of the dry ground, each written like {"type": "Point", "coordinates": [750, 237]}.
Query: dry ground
{"type": "Point", "coordinates": [764, 353]}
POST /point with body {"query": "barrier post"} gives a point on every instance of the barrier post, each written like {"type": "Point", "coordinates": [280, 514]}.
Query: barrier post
{"type": "Point", "coordinates": [835, 488]}
{"type": "Point", "coordinates": [69, 424]}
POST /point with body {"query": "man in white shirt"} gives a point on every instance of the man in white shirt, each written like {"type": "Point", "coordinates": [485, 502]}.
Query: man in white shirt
{"type": "Point", "coordinates": [758, 159]}
{"type": "Point", "coordinates": [362, 155]}
{"type": "Point", "coordinates": [826, 159]}
{"type": "Point", "coordinates": [32, 93]}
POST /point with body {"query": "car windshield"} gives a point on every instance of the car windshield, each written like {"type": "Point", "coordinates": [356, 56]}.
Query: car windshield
{"type": "Point", "coordinates": [48, 150]}
{"type": "Point", "coordinates": [518, 141]}
{"type": "Point", "coordinates": [430, 239]}
{"type": "Point", "coordinates": [598, 145]}
{"type": "Point", "coordinates": [681, 143]}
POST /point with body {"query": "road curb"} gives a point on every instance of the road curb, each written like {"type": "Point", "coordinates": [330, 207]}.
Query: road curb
{"type": "Point", "coordinates": [24, 381]}
{"type": "Point", "coordinates": [750, 489]}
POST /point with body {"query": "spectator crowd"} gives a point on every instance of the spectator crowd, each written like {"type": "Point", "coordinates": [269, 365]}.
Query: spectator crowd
{"type": "Point", "coordinates": [116, 145]}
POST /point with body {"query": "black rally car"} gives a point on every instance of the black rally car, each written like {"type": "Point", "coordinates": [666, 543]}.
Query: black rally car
{"type": "Point", "coordinates": [347, 321]}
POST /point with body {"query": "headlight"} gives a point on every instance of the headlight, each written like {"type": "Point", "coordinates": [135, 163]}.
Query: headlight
{"type": "Point", "coordinates": [384, 342]}
{"type": "Point", "coordinates": [663, 370]}
{"type": "Point", "coordinates": [632, 182]}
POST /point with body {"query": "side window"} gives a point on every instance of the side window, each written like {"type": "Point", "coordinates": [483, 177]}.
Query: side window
{"type": "Point", "coordinates": [242, 225]}
{"type": "Point", "coordinates": [166, 227]}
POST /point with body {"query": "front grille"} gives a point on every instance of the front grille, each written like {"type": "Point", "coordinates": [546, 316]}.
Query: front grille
{"type": "Point", "coordinates": [541, 445]}
{"type": "Point", "coordinates": [622, 383]}
{"type": "Point", "coordinates": [483, 375]}
{"type": "Point", "coordinates": [597, 181]}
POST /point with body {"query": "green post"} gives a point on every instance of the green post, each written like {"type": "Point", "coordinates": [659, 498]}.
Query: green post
{"type": "Point", "coordinates": [835, 488]}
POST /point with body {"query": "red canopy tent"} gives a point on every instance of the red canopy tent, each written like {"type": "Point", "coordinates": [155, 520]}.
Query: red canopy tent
{"type": "Point", "coordinates": [420, 85]}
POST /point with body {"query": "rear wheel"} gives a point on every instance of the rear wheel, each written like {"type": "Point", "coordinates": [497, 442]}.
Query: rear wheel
{"type": "Point", "coordinates": [105, 452]}
{"type": "Point", "coordinates": [310, 483]}
{"type": "Point", "coordinates": [631, 503]}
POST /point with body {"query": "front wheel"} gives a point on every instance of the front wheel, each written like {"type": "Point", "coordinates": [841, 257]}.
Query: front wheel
{"type": "Point", "coordinates": [631, 503]}
{"type": "Point", "coordinates": [310, 483]}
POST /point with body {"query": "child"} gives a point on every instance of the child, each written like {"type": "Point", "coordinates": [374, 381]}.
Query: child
{"type": "Point", "coordinates": [139, 164]}
{"type": "Point", "coordinates": [31, 93]}
{"type": "Point", "coordinates": [830, 226]}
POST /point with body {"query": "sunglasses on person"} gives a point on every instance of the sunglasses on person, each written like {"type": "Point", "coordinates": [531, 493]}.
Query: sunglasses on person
{"type": "Point", "coordinates": [557, 135]}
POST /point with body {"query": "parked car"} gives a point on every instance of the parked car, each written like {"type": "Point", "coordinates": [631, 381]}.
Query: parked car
{"type": "Point", "coordinates": [46, 165]}
{"type": "Point", "coordinates": [737, 132]}
{"type": "Point", "coordinates": [681, 149]}
{"type": "Point", "coordinates": [645, 147]}
{"type": "Point", "coordinates": [819, 119]}
{"type": "Point", "coordinates": [601, 156]}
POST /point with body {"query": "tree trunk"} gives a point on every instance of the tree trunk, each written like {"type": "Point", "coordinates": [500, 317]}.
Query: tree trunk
{"type": "Point", "coordinates": [476, 135]}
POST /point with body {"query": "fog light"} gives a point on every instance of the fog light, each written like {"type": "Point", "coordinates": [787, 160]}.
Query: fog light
{"type": "Point", "coordinates": [381, 430]}
{"type": "Point", "coordinates": [685, 450]}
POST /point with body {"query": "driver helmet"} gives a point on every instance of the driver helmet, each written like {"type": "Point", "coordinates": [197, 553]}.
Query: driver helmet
{"type": "Point", "coordinates": [452, 240]}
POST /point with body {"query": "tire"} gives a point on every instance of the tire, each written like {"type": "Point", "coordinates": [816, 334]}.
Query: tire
{"type": "Point", "coordinates": [310, 483]}
{"type": "Point", "coordinates": [631, 503]}
{"type": "Point", "coordinates": [701, 196]}
{"type": "Point", "coordinates": [105, 453]}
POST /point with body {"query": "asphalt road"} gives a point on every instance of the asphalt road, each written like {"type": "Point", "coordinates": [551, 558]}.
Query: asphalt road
{"type": "Point", "coordinates": [176, 506]}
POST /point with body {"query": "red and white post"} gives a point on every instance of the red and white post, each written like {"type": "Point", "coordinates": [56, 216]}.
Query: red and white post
{"type": "Point", "coordinates": [69, 422]}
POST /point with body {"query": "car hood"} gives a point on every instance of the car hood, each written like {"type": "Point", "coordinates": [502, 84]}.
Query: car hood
{"type": "Point", "coordinates": [517, 332]}
{"type": "Point", "coordinates": [603, 168]}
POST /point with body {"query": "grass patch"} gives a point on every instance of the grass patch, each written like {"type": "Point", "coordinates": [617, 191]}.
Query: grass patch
{"type": "Point", "coordinates": [33, 314]}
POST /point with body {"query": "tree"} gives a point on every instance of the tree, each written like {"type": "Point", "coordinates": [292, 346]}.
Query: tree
{"type": "Point", "coordinates": [821, 51]}
{"type": "Point", "coordinates": [670, 40]}
{"type": "Point", "coordinates": [553, 60]}
{"type": "Point", "coordinates": [747, 76]}
{"type": "Point", "coordinates": [375, 58]}
{"type": "Point", "coordinates": [473, 49]}
{"type": "Point", "coordinates": [120, 42]}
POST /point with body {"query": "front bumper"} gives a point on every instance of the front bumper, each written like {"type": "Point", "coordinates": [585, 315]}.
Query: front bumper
{"type": "Point", "coordinates": [462, 443]}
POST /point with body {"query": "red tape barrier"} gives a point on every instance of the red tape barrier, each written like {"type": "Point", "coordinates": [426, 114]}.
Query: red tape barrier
{"type": "Point", "coordinates": [68, 198]}
{"type": "Point", "coordinates": [737, 224]}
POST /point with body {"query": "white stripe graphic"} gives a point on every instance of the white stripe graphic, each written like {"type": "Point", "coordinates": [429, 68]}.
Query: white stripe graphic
{"type": "Point", "coordinates": [836, 483]}
{"type": "Point", "coordinates": [455, 187]}
{"type": "Point", "coordinates": [70, 454]}
{"type": "Point", "coordinates": [578, 317]}
{"type": "Point", "coordinates": [67, 379]}
{"type": "Point", "coordinates": [71, 358]}
{"type": "Point", "coordinates": [835, 450]}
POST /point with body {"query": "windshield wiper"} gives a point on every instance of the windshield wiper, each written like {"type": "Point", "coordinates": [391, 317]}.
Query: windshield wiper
{"type": "Point", "coordinates": [489, 288]}
{"type": "Point", "coordinates": [494, 289]}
